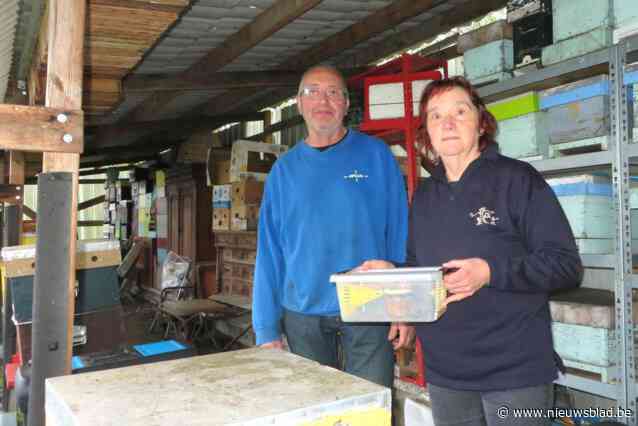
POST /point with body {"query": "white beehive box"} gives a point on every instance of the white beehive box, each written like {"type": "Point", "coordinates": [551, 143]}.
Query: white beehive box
{"type": "Point", "coordinates": [386, 295]}
{"type": "Point", "coordinates": [387, 100]}
{"type": "Point", "coordinates": [248, 387]}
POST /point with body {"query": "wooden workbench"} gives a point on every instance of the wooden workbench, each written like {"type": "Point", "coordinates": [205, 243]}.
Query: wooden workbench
{"type": "Point", "coordinates": [247, 387]}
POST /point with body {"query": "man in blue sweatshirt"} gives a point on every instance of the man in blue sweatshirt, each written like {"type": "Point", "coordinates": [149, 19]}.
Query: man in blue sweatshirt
{"type": "Point", "coordinates": [336, 199]}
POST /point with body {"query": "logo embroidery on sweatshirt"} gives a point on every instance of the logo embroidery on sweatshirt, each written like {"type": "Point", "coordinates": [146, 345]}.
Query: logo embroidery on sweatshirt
{"type": "Point", "coordinates": [356, 175]}
{"type": "Point", "coordinates": [484, 216]}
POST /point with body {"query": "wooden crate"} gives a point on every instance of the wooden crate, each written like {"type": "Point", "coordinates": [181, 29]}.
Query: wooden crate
{"type": "Point", "coordinates": [496, 31]}
{"type": "Point", "coordinates": [583, 119]}
{"type": "Point", "coordinates": [588, 345]}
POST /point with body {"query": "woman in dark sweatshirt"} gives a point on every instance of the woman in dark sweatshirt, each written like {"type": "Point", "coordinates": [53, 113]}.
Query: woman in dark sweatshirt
{"type": "Point", "coordinates": [496, 226]}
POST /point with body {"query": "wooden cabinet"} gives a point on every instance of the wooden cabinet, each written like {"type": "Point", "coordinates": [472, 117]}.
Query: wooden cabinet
{"type": "Point", "coordinates": [190, 213]}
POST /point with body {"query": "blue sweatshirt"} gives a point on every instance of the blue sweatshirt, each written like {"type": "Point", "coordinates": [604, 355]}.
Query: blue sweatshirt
{"type": "Point", "coordinates": [503, 211]}
{"type": "Point", "coordinates": [324, 212]}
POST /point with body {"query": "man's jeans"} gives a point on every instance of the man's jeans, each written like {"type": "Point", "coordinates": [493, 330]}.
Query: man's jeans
{"type": "Point", "coordinates": [365, 348]}
{"type": "Point", "coordinates": [475, 408]}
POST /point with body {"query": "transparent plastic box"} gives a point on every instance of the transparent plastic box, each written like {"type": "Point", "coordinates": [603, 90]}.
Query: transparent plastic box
{"type": "Point", "coordinates": [388, 295]}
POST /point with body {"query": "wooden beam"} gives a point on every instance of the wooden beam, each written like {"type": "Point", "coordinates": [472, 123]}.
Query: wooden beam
{"type": "Point", "coordinates": [173, 6]}
{"type": "Point", "coordinates": [11, 194]}
{"type": "Point", "coordinates": [117, 135]}
{"type": "Point", "coordinates": [216, 81]}
{"type": "Point", "coordinates": [90, 203]}
{"type": "Point", "coordinates": [16, 167]}
{"type": "Point", "coordinates": [281, 13]}
{"type": "Point", "coordinates": [99, 171]}
{"type": "Point", "coordinates": [29, 213]}
{"type": "Point", "coordinates": [399, 41]}
{"type": "Point", "coordinates": [82, 223]}
{"type": "Point", "coordinates": [67, 19]}
{"type": "Point", "coordinates": [29, 128]}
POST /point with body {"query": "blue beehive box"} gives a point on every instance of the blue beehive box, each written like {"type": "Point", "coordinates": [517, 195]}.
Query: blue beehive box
{"type": "Point", "coordinates": [578, 110]}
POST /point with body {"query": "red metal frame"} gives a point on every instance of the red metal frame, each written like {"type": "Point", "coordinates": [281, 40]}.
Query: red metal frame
{"type": "Point", "coordinates": [405, 69]}
{"type": "Point", "coordinates": [419, 380]}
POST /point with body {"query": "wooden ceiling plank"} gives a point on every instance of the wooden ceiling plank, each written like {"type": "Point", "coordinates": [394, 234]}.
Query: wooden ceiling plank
{"type": "Point", "coordinates": [281, 13]}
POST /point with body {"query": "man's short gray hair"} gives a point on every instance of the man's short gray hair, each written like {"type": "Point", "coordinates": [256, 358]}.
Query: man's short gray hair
{"type": "Point", "coordinates": [326, 67]}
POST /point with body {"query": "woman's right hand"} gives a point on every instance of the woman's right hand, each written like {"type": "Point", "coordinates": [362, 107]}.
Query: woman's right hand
{"type": "Point", "coordinates": [373, 264]}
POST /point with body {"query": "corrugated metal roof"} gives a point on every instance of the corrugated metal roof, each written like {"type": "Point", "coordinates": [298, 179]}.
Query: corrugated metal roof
{"type": "Point", "coordinates": [209, 22]}
{"type": "Point", "coordinates": [8, 23]}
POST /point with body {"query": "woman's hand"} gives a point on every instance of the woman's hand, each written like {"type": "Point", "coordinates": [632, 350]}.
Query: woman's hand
{"type": "Point", "coordinates": [373, 264]}
{"type": "Point", "coordinates": [468, 276]}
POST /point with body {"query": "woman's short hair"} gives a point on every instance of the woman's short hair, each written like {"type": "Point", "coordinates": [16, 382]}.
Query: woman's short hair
{"type": "Point", "coordinates": [487, 122]}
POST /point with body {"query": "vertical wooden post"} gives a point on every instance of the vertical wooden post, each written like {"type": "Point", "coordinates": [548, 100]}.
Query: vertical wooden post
{"type": "Point", "coordinates": [64, 90]}
{"type": "Point", "coordinates": [267, 123]}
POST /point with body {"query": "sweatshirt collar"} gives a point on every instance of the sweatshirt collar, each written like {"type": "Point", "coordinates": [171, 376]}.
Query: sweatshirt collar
{"type": "Point", "coordinates": [489, 153]}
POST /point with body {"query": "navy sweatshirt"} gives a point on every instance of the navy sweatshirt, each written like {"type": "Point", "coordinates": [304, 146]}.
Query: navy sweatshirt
{"type": "Point", "coordinates": [503, 211]}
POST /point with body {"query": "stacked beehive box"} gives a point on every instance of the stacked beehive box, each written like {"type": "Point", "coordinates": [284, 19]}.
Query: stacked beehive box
{"type": "Point", "coordinates": [522, 130]}
{"type": "Point", "coordinates": [488, 53]}
{"type": "Point", "coordinates": [625, 18]}
{"type": "Point", "coordinates": [531, 29]}
{"type": "Point", "coordinates": [579, 27]}
{"type": "Point", "coordinates": [159, 218]}
{"type": "Point", "coordinates": [118, 209]}
{"type": "Point", "coordinates": [587, 202]}
{"type": "Point", "coordinates": [577, 116]}
{"type": "Point", "coordinates": [97, 301]}
{"type": "Point", "coordinates": [583, 329]}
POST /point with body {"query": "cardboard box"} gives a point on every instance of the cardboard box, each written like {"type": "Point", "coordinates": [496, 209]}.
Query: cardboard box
{"type": "Point", "coordinates": [247, 192]}
{"type": "Point", "coordinates": [222, 172]}
{"type": "Point", "coordinates": [221, 219]}
{"type": "Point", "coordinates": [244, 217]}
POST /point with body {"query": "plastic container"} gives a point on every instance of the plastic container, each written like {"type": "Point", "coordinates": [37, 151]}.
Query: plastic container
{"type": "Point", "coordinates": [387, 295]}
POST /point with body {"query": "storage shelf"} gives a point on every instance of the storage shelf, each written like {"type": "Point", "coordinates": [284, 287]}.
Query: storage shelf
{"type": "Point", "coordinates": [594, 63]}
{"type": "Point", "coordinates": [564, 72]}
{"type": "Point", "coordinates": [588, 385]}
{"type": "Point", "coordinates": [571, 162]}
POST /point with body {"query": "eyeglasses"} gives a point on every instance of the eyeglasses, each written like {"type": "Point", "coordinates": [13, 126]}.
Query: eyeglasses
{"type": "Point", "coordinates": [332, 93]}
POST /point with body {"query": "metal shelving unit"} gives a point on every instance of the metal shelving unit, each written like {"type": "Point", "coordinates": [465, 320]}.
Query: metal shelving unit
{"type": "Point", "coordinates": [611, 61]}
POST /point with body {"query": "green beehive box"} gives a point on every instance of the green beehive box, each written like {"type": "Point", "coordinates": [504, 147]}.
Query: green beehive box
{"type": "Point", "coordinates": [597, 39]}
{"type": "Point", "coordinates": [515, 106]}
{"type": "Point", "coordinates": [524, 136]}
{"type": "Point", "coordinates": [490, 59]}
